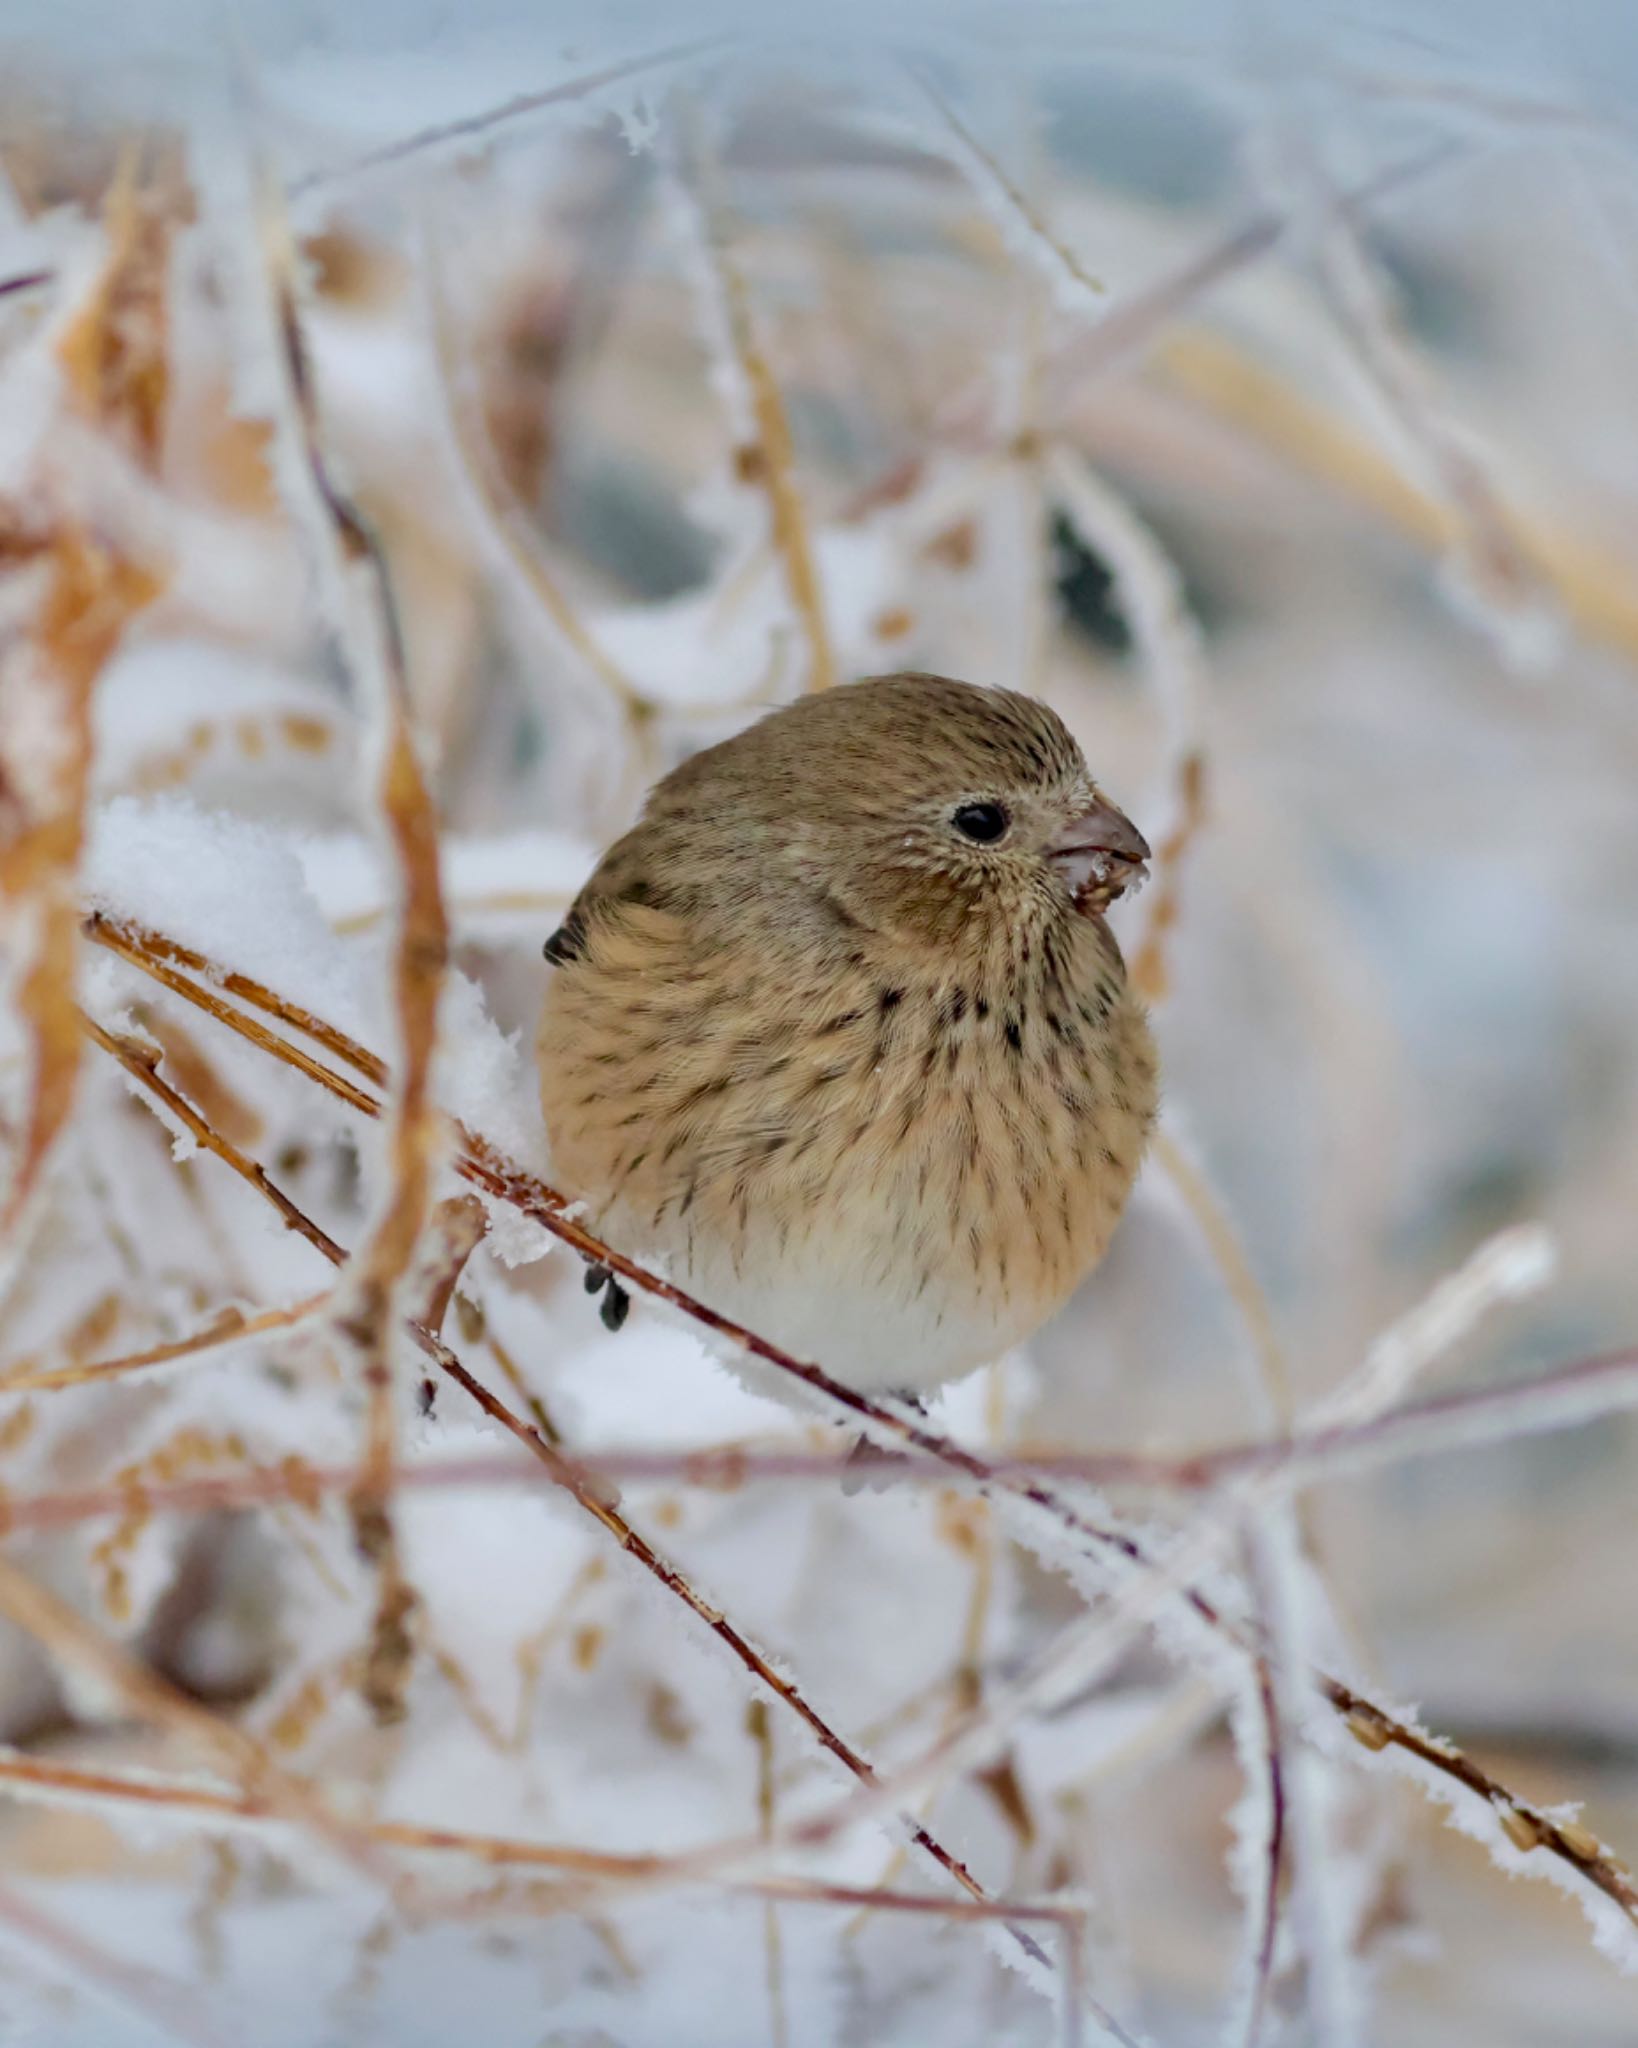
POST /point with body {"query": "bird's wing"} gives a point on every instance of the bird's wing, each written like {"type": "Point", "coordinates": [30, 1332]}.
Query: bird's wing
{"type": "Point", "coordinates": [626, 898]}
{"type": "Point", "coordinates": [618, 876]}
{"type": "Point", "coordinates": [568, 942]}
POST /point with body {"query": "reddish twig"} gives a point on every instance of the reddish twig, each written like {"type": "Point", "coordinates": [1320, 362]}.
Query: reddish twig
{"type": "Point", "coordinates": [141, 1062]}
{"type": "Point", "coordinates": [153, 954]}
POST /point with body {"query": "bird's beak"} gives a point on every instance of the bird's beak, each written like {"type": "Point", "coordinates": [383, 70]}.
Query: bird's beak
{"type": "Point", "coordinates": [1101, 854]}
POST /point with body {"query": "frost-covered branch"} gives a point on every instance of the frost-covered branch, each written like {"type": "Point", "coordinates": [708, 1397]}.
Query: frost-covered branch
{"type": "Point", "coordinates": [1169, 641]}
{"type": "Point", "coordinates": [1492, 570]}
{"type": "Point", "coordinates": [510, 536]}
{"type": "Point", "coordinates": [487, 120]}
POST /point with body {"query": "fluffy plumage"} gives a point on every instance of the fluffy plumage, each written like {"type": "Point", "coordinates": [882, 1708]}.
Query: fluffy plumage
{"type": "Point", "coordinates": [862, 1072]}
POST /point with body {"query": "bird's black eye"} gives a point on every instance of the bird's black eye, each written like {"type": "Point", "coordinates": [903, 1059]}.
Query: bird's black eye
{"type": "Point", "coordinates": [984, 822]}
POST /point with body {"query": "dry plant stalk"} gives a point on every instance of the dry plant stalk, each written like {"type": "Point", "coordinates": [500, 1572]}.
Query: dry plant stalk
{"type": "Point", "coordinates": [990, 178]}
{"type": "Point", "coordinates": [768, 459]}
{"type": "Point", "coordinates": [1149, 968]}
{"type": "Point", "coordinates": [516, 539]}
{"type": "Point", "coordinates": [112, 359]}
{"type": "Point", "coordinates": [1227, 1254]}
{"type": "Point", "coordinates": [1156, 611]}
{"type": "Point", "coordinates": [1486, 552]}
{"type": "Point", "coordinates": [92, 1790]}
{"type": "Point", "coordinates": [589, 1496]}
{"type": "Point", "coordinates": [69, 1638]}
{"type": "Point", "coordinates": [1585, 574]}
{"type": "Point", "coordinates": [1266, 1904]}
{"type": "Point", "coordinates": [91, 594]}
{"type": "Point", "coordinates": [1505, 547]}
{"type": "Point", "coordinates": [1320, 1923]}
{"type": "Point", "coordinates": [371, 1303]}
{"type": "Point", "coordinates": [227, 1326]}
{"type": "Point", "coordinates": [760, 1730]}
{"type": "Point", "coordinates": [1564, 1397]}
{"type": "Point", "coordinates": [142, 1062]}
{"type": "Point", "coordinates": [115, 352]}
{"type": "Point", "coordinates": [1127, 331]}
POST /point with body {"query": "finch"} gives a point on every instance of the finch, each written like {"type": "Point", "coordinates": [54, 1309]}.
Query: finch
{"type": "Point", "coordinates": [838, 1035]}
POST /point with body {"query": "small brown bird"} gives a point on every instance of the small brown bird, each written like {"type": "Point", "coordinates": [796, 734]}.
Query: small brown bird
{"type": "Point", "coordinates": [839, 1036]}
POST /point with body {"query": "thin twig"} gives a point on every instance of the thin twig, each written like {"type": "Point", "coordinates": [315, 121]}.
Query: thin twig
{"type": "Point", "coordinates": [991, 180]}
{"type": "Point", "coordinates": [1123, 334]}
{"type": "Point", "coordinates": [1333, 1994]}
{"type": "Point", "coordinates": [514, 539]}
{"type": "Point", "coordinates": [141, 1062]}
{"type": "Point", "coordinates": [760, 1729]}
{"type": "Point", "coordinates": [768, 458]}
{"type": "Point", "coordinates": [76, 1784]}
{"type": "Point", "coordinates": [90, 596]}
{"type": "Point", "coordinates": [1514, 1263]}
{"type": "Point", "coordinates": [1155, 606]}
{"type": "Point", "coordinates": [1228, 1255]}
{"type": "Point", "coordinates": [152, 955]}
{"type": "Point", "coordinates": [1266, 1902]}
{"type": "Point", "coordinates": [1589, 577]}
{"type": "Point", "coordinates": [1569, 1396]}
{"type": "Point", "coordinates": [637, 1547]}
{"type": "Point", "coordinates": [67, 1636]}
{"type": "Point", "coordinates": [1494, 569]}
{"type": "Point", "coordinates": [144, 947]}
{"type": "Point", "coordinates": [228, 1327]}
{"type": "Point", "coordinates": [534, 1199]}
{"type": "Point", "coordinates": [373, 1294]}
{"type": "Point", "coordinates": [470, 127]}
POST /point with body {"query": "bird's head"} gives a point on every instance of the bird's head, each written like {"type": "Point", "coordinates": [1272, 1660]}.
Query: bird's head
{"type": "Point", "coordinates": [927, 809]}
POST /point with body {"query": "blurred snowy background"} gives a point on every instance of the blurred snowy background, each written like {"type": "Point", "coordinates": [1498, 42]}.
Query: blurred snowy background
{"type": "Point", "coordinates": [1257, 388]}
